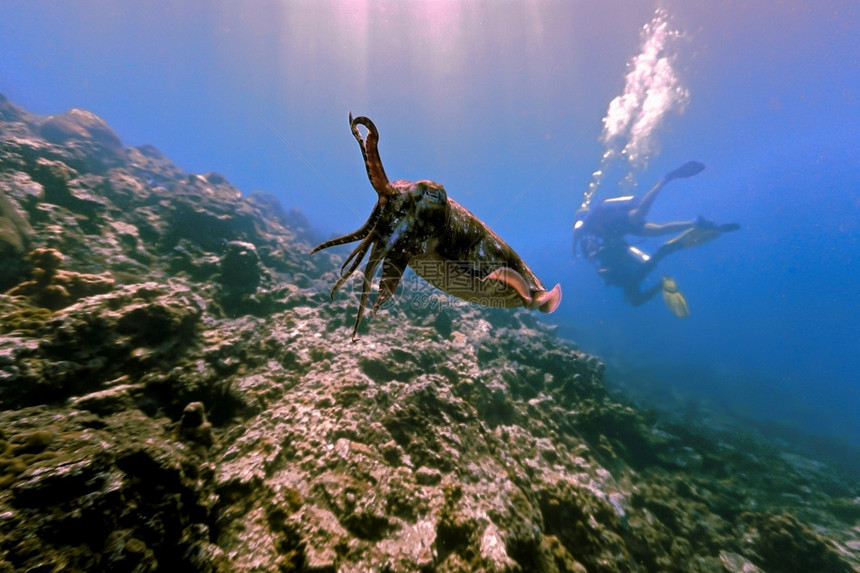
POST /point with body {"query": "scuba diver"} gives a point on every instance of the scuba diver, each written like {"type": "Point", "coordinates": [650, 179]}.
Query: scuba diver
{"type": "Point", "coordinates": [599, 231]}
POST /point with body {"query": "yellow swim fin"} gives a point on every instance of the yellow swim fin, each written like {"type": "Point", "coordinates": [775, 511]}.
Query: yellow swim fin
{"type": "Point", "coordinates": [674, 299]}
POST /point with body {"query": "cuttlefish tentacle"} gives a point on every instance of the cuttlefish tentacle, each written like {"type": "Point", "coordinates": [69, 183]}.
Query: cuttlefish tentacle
{"type": "Point", "coordinates": [376, 255]}
{"type": "Point", "coordinates": [376, 175]}
{"type": "Point", "coordinates": [344, 275]}
{"type": "Point", "coordinates": [370, 152]}
{"type": "Point", "coordinates": [367, 233]}
{"type": "Point", "coordinates": [379, 180]}
{"type": "Point", "coordinates": [356, 235]}
{"type": "Point", "coordinates": [356, 255]}
{"type": "Point", "coordinates": [351, 238]}
{"type": "Point", "coordinates": [392, 272]}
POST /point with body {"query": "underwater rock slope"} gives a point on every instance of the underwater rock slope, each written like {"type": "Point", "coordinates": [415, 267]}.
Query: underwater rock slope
{"type": "Point", "coordinates": [178, 392]}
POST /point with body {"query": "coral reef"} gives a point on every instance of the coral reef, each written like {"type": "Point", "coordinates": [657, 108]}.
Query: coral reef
{"type": "Point", "coordinates": [53, 288]}
{"type": "Point", "coordinates": [182, 394]}
{"type": "Point", "coordinates": [15, 234]}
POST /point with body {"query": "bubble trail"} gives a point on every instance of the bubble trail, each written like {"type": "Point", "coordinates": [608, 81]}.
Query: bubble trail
{"type": "Point", "coordinates": [652, 89]}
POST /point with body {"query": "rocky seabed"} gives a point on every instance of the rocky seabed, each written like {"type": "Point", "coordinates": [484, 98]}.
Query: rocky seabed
{"type": "Point", "coordinates": [178, 392]}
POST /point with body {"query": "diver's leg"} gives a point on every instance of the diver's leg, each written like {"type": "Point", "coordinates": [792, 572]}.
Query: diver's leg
{"type": "Point", "coordinates": [637, 214]}
{"type": "Point", "coordinates": [638, 297]}
{"type": "Point", "coordinates": [689, 169]}
{"type": "Point", "coordinates": [700, 233]}
{"type": "Point", "coordinates": [657, 229]}
{"type": "Point", "coordinates": [632, 284]}
{"type": "Point", "coordinates": [670, 246]}
{"type": "Point", "coordinates": [674, 244]}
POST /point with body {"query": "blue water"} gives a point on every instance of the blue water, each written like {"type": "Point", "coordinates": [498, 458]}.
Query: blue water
{"type": "Point", "coordinates": [503, 103]}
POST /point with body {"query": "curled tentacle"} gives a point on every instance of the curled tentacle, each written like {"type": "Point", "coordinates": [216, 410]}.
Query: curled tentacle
{"type": "Point", "coordinates": [370, 152]}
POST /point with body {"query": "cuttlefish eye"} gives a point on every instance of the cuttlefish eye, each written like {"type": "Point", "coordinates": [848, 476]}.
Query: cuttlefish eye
{"type": "Point", "coordinates": [436, 195]}
{"type": "Point", "coordinates": [433, 192]}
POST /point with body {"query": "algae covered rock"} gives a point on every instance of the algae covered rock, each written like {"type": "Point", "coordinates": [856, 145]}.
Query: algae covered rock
{"type": "Point", "coordinates": [781, 543]}
{"type": "Point", "coordinates": [15, 237]}
{"type": "Point", "coordinates": [53, 288]}
{"type": "Point", "coordinates": [84, 492]}
{"type": "Point", "coordinates": [87, 137]}
{"type": "Point", "coordinates": [89, 346]}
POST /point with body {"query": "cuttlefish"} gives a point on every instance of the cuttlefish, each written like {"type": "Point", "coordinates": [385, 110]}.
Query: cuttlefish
{"type": "Point", "coordinates": [416, 224]}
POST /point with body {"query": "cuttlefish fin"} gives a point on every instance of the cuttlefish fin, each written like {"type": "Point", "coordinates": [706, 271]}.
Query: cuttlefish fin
{"type": "Point", "coordinates": [548, 300]}
{"type": "Point", "coordinates": [545, 301]}
{"type": "Point", "coordinates": [511, 278]}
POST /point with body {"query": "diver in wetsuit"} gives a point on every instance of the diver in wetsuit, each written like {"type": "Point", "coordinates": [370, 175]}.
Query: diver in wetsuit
{"type": "Point", "coordinates": [599, 235]}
